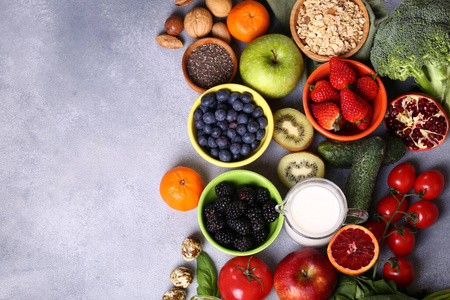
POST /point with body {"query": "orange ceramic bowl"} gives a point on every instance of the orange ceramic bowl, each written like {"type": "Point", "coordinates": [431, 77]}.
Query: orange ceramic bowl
{"type": "Point", "coordinates": [347, 133]}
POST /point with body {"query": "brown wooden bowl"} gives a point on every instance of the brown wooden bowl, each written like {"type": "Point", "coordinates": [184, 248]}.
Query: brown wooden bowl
{"type": "Point", "coordinates": [324, 58]}
{"type": "Point", "coordinates": [200, 42]}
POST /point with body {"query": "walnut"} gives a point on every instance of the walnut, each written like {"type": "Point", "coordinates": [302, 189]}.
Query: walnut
{"type": "Point", "coordinates": [198, 22]}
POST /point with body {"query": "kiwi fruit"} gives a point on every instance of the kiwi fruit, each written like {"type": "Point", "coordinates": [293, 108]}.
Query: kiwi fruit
{"type": "Point", "coordinates": [292, 130]}
{"type": "Point", "coordinates": [296, 166]}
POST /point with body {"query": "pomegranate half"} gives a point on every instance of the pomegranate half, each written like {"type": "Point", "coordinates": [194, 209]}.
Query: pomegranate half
{"type": "Point", "coordinates": [418, 120]}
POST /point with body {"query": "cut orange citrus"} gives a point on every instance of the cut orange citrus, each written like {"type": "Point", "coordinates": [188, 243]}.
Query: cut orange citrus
{"type": "Point", "coordinates": [353, 250]}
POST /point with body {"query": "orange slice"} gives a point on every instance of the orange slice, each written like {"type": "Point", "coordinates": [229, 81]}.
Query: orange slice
{"type": "Point", "coordinates": [353, 250]}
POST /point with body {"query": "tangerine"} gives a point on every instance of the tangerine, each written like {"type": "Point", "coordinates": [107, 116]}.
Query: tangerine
{"type": "Point", "coordinates": [353, 250]}
{"type": "Point", "coordinates": [248, 20]}
{"type": "Point", "coordinates": [181, 188]}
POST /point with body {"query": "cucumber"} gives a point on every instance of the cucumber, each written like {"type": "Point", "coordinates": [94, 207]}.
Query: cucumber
{"type": "Point", "coordinates": [339, 154]}
{"type": "Point", "coordinates": [363, 174]}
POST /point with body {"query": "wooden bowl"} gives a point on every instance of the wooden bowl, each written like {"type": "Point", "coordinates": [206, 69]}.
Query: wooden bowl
{"type": "Point", "coordinates": [324, 58]}
{"type": "Point", "coordinates": [198, 43]}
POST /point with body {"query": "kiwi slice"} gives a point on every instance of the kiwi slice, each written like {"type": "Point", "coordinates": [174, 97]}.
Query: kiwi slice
{"type": "Point", "coordinates": [296, 166]}
{"type": "Point", "coordinates": [292, 130]}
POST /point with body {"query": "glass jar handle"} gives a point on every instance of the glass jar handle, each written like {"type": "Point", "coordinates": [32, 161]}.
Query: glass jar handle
{"type": "Point", "coordinates": [279, 205]}
{"type": "Point", "coordinates": [356, 216]}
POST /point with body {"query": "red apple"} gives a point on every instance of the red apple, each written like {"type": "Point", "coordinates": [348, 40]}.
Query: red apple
{"type": "Point", "coordinates": [305, 274]}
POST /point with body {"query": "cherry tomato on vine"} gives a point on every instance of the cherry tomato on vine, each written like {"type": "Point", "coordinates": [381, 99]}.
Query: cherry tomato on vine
{"type": "Point", "coordinates": [432, 182]}
{"type": "Point", "coordinates": [245, 277]}
{"type": "Point", "coordinates": [402, 177]}
{"type": "Point", "coordinates": [401, 241]}
{"type": "Point", "coordinates": [423, 213]}
{"type": "Point", "coordinates": [377, 228]}
{"type": "Point", "coordinates": [388, 206]}
{"type": "Point", "coordinates": [400, 270]}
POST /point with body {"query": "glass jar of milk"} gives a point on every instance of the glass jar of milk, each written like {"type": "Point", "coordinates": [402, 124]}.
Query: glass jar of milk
{"type": "Point", "coordinates": [314, 210]}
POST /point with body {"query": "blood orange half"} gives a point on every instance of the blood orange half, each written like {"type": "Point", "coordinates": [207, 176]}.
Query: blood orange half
{"type": "Point", "coordinates": [353, 250]}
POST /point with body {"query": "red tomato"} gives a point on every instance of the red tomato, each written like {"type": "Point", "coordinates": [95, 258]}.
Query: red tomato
{"type": "Point", "coordinates": [401, 241]}
{"type": "Point", "coordinates": [432, 182]}
{"type": "Point", "coordinates": [245, 277]}
{"type": "Point", "coordinates": [388, 206]}
{"type": "Point", "coordinates": [423, 213]}
{"type": "Point", "coordinates": [399, 270]}
{"type": "Point", "coordinates": [377, 228]}
{"type": "Point", "coordinates": [402, 177]}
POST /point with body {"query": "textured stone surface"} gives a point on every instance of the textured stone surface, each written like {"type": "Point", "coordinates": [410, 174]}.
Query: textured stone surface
{"type": "Point", "coordinates": [92, 114]}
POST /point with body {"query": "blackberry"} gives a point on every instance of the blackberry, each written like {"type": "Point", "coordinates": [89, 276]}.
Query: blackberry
{"type": "Point", "coordinates": [236, 209]}
{"type": "Point", "coordinates": [243, 243]}
{"type": "Point", "coordinates": [222, 203]}
{"type": "Point", "coordinates": [224, 189]}
{"type": "Point", "coordinates": [215, 223]}
{"type": "Point", "coordinates": [269, 212]}
{"type": "Point", "coordinates": [224, 237]}
{"type": "Point", "coordinates": [242, 226]}
{"type": "Point", "coordinates": [246, 194]}
{"type": "Point", "coordinates": [260, 236]}
{"type": "Point", "coordinates": [262, 195]}
{"type": "Point", "coordinates": [210, 210]}
{"type": "Point", "coordinates": [255, 215]}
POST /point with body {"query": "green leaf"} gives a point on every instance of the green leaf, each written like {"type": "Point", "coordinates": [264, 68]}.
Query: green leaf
{"type": "Point", "coordinates": [206, 276]}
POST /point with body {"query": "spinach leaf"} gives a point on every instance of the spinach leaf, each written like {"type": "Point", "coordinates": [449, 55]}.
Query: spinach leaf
{"type": "Point", "coordinates": [206, 276]}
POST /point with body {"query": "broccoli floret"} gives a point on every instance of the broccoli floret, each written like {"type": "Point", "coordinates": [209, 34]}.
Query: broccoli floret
{"type": "Point", "coordinates": [415, 42]}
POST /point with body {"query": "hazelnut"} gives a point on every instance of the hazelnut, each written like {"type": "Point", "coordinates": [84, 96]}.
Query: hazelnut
{"type": "Point", "coordinates": [181, 277]}
{"type": "Point", "coordinates": [198, 22]}
{"type": "Point", "coordinates": [174, 25]}
{"type": "Point", "coordinates": [191, 248]}
{"type": "Point", "coordinates": [220, 31]}
{"type": "Point", "coordinates": [174, 294]}
{"type": "Point", "coordinates": [219, 8]}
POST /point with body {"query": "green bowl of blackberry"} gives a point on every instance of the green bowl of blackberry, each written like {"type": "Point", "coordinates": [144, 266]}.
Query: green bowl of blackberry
{"type": "Point", "coordinates": [230, 125]}
{"type": "Point", "coordinates": [236, 212]}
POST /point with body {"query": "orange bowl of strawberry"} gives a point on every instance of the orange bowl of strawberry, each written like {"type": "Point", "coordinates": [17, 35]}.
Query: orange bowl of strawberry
{"type": "Point", "coordinates": [344, 100]}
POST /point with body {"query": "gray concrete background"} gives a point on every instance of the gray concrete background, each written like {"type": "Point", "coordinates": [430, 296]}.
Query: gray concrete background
{"type": "Point", "coordinates": [93, 113]}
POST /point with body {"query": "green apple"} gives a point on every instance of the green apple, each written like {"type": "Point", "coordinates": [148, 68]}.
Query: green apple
{"type": "Point", "coordinates": [272, 65]}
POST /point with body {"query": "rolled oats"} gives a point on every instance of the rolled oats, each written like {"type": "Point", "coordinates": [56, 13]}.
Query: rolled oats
{"type": "Point", "coordinates": [330, 27]}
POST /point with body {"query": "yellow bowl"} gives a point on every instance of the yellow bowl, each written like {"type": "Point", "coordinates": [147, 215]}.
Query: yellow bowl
{"type": "Point", "coordinates": [259, 101]}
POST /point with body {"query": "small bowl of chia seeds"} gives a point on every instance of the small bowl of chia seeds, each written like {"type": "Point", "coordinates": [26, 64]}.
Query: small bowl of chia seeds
{"type": "Point", "coordinates": [230, 125]}
{"type": "Point", "coordinates": [208, 62]}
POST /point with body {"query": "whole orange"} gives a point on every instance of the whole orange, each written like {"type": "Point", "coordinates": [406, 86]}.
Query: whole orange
{"type": "Point", "coordinates": [248, 20]}
{"type": "Point", "coordinates": [181, 188]}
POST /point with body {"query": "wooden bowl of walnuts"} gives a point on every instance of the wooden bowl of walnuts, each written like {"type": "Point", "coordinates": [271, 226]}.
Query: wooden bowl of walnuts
{"type": "Point", "coordinates": [322, 29]}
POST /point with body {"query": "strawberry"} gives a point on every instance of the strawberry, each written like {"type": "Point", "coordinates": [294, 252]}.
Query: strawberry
{"type": "Point", "coordinates": [328, 115]}
{"type": "Point", "coordinates": [353, 107]}
{"type": "Point", "coordinates": [366, 87]}
{"type": "Point", "coordinates": [323, 91]}
{"type": "Point", "coordinates": [364, 123]}
{"type": "Point", "coordinates": [341, 73]}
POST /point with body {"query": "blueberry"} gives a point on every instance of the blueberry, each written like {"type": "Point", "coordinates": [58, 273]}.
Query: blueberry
{"type": "Point", "coordinates": [222, 95]}
{"type": "Point", "coordinates": [208, 100]}
{"type": "Point", "coordinates": [237, 139]}
{"type": "Point", "coordinates": [246, 97]}
{"type": "Point", "coordinates": [200, 132]}
{"type": "Point", "coordinates": [212, 142]}
{"type": "Point", "coordinates": [235, 148]}
{"type": "Point", "coordinates": [203, 108]}
{"type": "Point", "coordinates": [262, 122]}
{"type": "Point", "coordinates": [257, 112]}
{"type": "Point", "coordinates": [209, 118]}
{"type": "Point", "coordinates": [220, 114]}
{"type": "Point", "coordinates": [253, 126]}
{"type": "Point", "coordinates": [241, 129]}
{"type": "Point", "coordinates": [198, 114]}
{"type": "Point", "coordinates": [207, 128]}
{"type": "Point", "coordinates": [216, 132]}
{"type": "Point", "coordinates": [248, 137]}
{"type": "Point", "coordinates": [223, 106]}
{"type": "Point", "coordinates": [225, 155]}
{"type": "Point", "coordinates": [248, 108]}
{"type": "Point", "coordinates": [237, 157]}
{"type": "Point", "coordinates": [255, 144]}
{"type": "Point", "coordinates": [202, 140]}
{"type": "Point", "coordinates": [223, 125]}
{"type": "Point", "coordinates": [232, 124]}
{"type": "Point", "coordinates": [231, 133]}
{"type": "Point", "coordinates": [231, 115]}
{"type": "Point", "coordinates": [233, 97]}
{"type": "Point", "coordinates": [222, 142]}
{"type": "Point", "coordinates": [214, 152]}
{"type": "Point", "coordinates": [199, 124]}
{"type": "Point", "coordinates": [260, 134]}
{"type": "Point", "coordinates": [245, 149]}
{"type": "Point", "coordinates": [238, 105]}
{"type": "Point", "coordinates": [242, 118]}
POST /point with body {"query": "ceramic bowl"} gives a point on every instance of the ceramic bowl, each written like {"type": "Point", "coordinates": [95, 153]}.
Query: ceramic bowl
{"type": "Point", "coordinates": [195, 45]}
{"type": "Point", "coordinates": [379, 103]}
{"type": "Point", "coordinates": [264, 143]}
{"type": "Point", "coordinates": [239, 178]}
{"type": "Point", "coordinates": [293, 26]}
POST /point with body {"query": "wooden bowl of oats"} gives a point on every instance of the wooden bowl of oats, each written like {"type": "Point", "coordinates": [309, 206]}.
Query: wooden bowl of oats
{"type": "Point", "coordinates": [326, 28]}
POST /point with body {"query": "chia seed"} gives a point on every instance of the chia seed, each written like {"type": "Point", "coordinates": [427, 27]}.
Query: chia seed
{"type": "Point", "coordinates": [209, 65]}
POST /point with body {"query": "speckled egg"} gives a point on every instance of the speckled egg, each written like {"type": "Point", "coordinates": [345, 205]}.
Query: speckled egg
{"type": "Point", "coordinates": [191, 248]}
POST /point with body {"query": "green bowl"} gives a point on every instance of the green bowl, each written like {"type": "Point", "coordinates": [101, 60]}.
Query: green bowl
{"type": "Point", "coordinates": [238, 178]}
{"type": "Point", "coordinates": [258, 100]}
